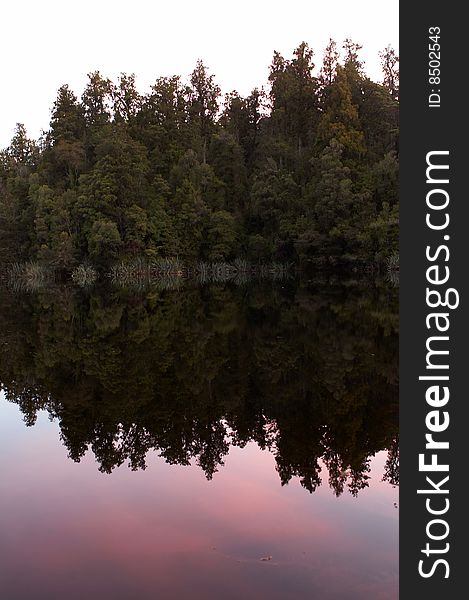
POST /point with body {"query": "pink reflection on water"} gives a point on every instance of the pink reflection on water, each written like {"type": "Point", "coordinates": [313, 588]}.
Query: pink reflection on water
{"type": "Point", "coordinates": [67, 531]}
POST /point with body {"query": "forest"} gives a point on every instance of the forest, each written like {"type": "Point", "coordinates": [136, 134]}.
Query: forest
{"type": "Point", "coordinates": [304, 169]}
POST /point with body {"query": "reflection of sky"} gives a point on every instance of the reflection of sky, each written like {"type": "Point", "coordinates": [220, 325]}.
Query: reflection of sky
{"type": "Point", "coordinates": [68, 531]}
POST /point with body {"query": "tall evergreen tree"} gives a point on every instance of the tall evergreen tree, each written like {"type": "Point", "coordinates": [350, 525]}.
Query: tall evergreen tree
{"type": "Point", "coordinates": [203, 94]}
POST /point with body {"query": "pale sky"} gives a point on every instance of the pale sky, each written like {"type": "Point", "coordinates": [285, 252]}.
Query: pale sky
{"type": "Point", "coordinates": [46, 43]}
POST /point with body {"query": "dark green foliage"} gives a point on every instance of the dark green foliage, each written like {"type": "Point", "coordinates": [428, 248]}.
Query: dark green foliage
{"type": "Point", "coordinates": [305, 171]}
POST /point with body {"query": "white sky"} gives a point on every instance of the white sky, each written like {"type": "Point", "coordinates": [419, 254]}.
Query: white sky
{"type": "Point", "coordinates": [46, 43]}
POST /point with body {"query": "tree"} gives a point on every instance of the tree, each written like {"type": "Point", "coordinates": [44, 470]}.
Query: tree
{"type": "Point", "coordinates": [242, 118]}
{"type": "Point", "coordinates": [390, 67]}
{"type": "Point", "coordinates": [222, 236]}
{"type": "Point", "coordinates": [340, 120]}
{"type": "Point", "coordinates": [191, 214]}
{"type": "Point", "coordinates": [294, 96]}
{"type": "Point", "coordinates": [104, 243]}
{"type": "Point", "coordinates": [97, 100]}
{"type": "Point", "coordinates": [275, 202]}
{"type": "Point", "coordinates": [329, 65]}
{"type": "Point", "coordinates": [68, 119]}
{"type": "Point", "coordinates": [386, 180]}
{"type": "Point", "coordinates": [202, 98]}
{"type": "Point", "coordinates": [351, 59]}
{"type": "Point", "coordinates": [227, 161]}
{"type": "Point", "coordinates": [22, 151]}
{"type": "Point", "coordinates": [18, 163]}
{"type": "Point", "coordinates": [125, 97]}
{"type": "Point", "coordinates": [339, 211]}
{"type": "Point", "coordinates": [163, 238]}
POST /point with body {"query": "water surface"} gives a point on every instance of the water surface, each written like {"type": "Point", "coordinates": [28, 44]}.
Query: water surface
{"type": "Point", "coordinates": [205, 442]}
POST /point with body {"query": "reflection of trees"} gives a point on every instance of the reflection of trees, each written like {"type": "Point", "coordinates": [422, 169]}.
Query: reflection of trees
{"type": "Point", "coordinates": [391, 468]}
{"type": "Point", "coordinates": [310, 374]}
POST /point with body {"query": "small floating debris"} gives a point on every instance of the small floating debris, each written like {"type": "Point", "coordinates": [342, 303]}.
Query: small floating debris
{"type": "Point", "coordinates": [265, 558]}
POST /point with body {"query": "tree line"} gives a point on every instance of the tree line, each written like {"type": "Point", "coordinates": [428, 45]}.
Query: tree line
{"type": "Point", "coordinates": [304, 170]}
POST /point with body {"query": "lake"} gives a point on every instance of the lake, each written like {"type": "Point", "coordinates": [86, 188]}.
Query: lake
{"type": "Point", "coordinates": [183, 441]}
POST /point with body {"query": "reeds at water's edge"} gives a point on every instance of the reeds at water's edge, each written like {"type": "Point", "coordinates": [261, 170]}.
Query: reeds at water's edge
{"type": "Point", "coordinates": [84, 275]}
{"type": "Point", "coordinates": [392, 269]}
{"type": "Point", "coordinates": [164, 273]}
{"type": "Point", "coordinates": [29, 276]}
{"type": "Point", "coordinates": [171, 272]}
{"type": "Point", "coordinates": [140, 272]}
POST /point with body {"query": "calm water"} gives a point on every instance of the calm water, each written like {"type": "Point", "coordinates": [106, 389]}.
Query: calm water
{"type": "Point", "coordinates": [203, 443]}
